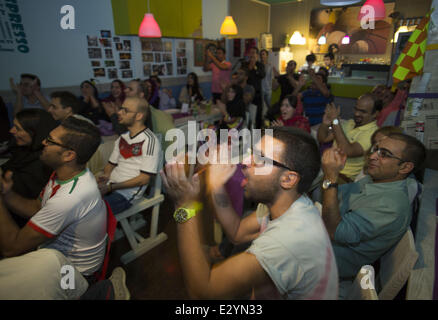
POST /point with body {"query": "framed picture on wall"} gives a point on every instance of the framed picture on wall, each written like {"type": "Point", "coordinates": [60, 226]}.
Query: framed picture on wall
{"type": "Point", "coordinates": [127, 74]}
{"type": "Point", "coordinates": [99, 72]}
{"type": "Point", "coordinates": [112, 73]}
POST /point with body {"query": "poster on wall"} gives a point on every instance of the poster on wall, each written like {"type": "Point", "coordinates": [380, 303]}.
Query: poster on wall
{"type": "Point", "coordinates": [335, 23]}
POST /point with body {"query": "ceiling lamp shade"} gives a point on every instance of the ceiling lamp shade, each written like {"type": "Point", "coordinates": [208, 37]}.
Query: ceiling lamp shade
{"type": "Point", "coordinates": [346, 39]}
{"type": "Point", "coordinates": [379, 10]}
{"type": "Point", "coordinates": [228, 26]}
{"type": "Point", "coordinates": [297, 39]}
{"type": "Point", "coordinates": [336, 3]}
{"type": "Point", "coordinates": [149, 27]}
{"type": "Point", "coordinates": [322, 40]}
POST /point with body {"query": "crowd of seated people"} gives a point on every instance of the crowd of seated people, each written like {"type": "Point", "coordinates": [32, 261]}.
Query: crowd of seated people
{"type": "Point", "coordinates": [365, 179]}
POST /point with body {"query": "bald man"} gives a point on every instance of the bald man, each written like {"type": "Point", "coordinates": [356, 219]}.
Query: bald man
{"type": "Point", "coordinates": [134, 159]}
{"type": "Point", "coordinates": [352, 136]}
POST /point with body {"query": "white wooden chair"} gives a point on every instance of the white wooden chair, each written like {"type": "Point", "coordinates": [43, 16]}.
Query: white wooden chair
{"type": "Point", "coordinates": [396, 266]}
{"type": "Point", "coordinates": [131, 220]}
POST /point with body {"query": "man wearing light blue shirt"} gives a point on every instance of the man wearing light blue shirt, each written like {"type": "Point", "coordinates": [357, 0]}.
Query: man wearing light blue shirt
{"type": "Point", "coordinates": [366, 218]}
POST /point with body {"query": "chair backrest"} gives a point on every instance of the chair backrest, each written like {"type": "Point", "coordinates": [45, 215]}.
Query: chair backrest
{"type": "Point", "coordinates": [252, 115]}
{"type": "Point", "coordinates": [155, 183]}
{"type": "Point", "coordinates": [111, 225]}
{"type": "Point", "coordinates": [363, 286]}
{"type": "Point", "coordinates": [246, 124]}
{"type": "Point", "coordinates": [396, 266]}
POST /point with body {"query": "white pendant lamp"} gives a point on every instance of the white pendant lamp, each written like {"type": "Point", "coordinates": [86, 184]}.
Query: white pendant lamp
{"type": "Point", "coordinates": [297, 39]}
{"type": "Point", "coordinates": [322, 40]}
{"type": "Point", "coordinates": [346, 39]}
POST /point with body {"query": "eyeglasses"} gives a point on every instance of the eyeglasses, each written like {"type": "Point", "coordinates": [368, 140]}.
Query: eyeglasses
{"type": "Point", "coordinates": [259, 160]}
{"type": "Point", "coordinates": [51, 142]}
{"type": "Point", "coordinates": [384, 153]}
{"type": "Point", "coordinates": [126, 110]}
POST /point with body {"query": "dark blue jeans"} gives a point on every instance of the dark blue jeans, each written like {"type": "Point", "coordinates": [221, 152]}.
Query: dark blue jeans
{"type": "Point", "coordinates": [117, 202]}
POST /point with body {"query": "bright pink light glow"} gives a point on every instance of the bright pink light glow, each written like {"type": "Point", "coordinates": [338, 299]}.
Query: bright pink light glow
{"type": "Point", "coordinates": [149, 27]}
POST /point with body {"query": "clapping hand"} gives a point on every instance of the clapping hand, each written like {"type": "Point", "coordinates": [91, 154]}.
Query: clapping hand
{"type": "Point", "coordinates": [277, 123]}
{"type": "Point", "coordinates": [218, 174]}
{"type": "Point", "coordinates": [333, 161]}
{"type": "Point", "coordinates": [15, 87]}
{"type": "Point", "coordinates": [180, 188]}
{"type": "Point", "coordinates": [331, 112]}
{"type": "Point", "coordinates": [6, 182]}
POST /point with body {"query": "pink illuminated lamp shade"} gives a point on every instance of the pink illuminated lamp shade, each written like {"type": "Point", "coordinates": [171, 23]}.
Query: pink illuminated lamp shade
{"type": "Point", "coordinates": [149, 27]}
{"type": "Point", "coordinates": [379, 10]}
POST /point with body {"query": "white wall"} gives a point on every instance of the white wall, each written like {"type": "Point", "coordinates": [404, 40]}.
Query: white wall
{"type": "Point", "coordinates": [60, 57]}
{"type": "Point", "coordinates": [213, 14]}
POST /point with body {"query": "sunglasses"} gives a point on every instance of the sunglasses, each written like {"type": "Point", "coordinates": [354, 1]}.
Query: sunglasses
{"type": "Point", "coordinates": [51, 142]}
{"type": "Point", "coordinates": [384, 153]}
{"type": "Point", "coordinates": [258, 160]}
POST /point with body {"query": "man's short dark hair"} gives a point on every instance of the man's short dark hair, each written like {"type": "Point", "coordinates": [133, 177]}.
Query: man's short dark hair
{"type": "Point", "coordinates": [311, 58]}
{"type": "Point", "coordinates": [329, 55]}
{"type": "Point", "coordinates": [378, 104]}
{"type": "Point", "coordinates": [82, 137]}
{"type": "Point", "coordinates": [245, 69]}
{"type": "Point", "coordinates": [68, 99]}
{"type": "Point", "coordinates": [255, 48]}
{"type": "Point", "coordinates": [221, 48]}
{"type": "Point", "coordinates": [32, 77]}
{"type": "Point", "coordinates": [264, 50]}
{"type": "Point", "coordinates": [301, 153]}
{"type": "Point", "coordinates": [414, 150]}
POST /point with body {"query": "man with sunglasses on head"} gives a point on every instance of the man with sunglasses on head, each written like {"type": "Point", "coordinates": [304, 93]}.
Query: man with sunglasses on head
{"type": "Point", "coordinates": [366, 218]}
{"type": "Point", "coordinates": [353, 137]}
{"type": "Point", "coordinates": [290, 256]}
{"type": "Point", "coordinates": [134, 158]}
{"type": "Point", "coordinates": [69, 215]}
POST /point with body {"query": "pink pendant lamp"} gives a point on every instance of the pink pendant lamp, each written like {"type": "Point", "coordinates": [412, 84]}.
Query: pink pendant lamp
{"type": "Point", "coordinates": [379, 10]}
{"type": "Point", "coordinates": [149, 27]}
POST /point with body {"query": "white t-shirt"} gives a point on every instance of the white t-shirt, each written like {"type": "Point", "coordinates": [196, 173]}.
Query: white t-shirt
{"type": "Point", "coordinates": [74, 215]}
{"type": "Point", "coordinates": [295, 251]}
{"type": "Point", "coordinates": [132, 156]}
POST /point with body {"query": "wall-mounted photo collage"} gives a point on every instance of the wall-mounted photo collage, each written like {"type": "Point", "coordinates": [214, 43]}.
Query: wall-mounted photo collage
{"type": "Point", "coordinates": [157, 57]}
{"type": "Point", "coordinates": [110, 56]}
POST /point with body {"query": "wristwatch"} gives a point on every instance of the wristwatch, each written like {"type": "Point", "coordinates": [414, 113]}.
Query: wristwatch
{"type": "Point", "coordinates": [182, 214]}
{"type": "Point", "coordinates": [328, 184]}
{"type": "Point", "coordinates": [335, 122]}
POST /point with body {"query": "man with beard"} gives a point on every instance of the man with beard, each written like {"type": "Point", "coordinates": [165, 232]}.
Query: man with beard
{"type": "Point", "coordinates": [134, 158]}
{"type": "Point", "coordinates": [69, 215]}
{"type": "Point", "coordinates": [366, 218]}
{"type": "Point", "coordinates": [290, 256]}
{"type": "Point", "coordinates": [353, 137]}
